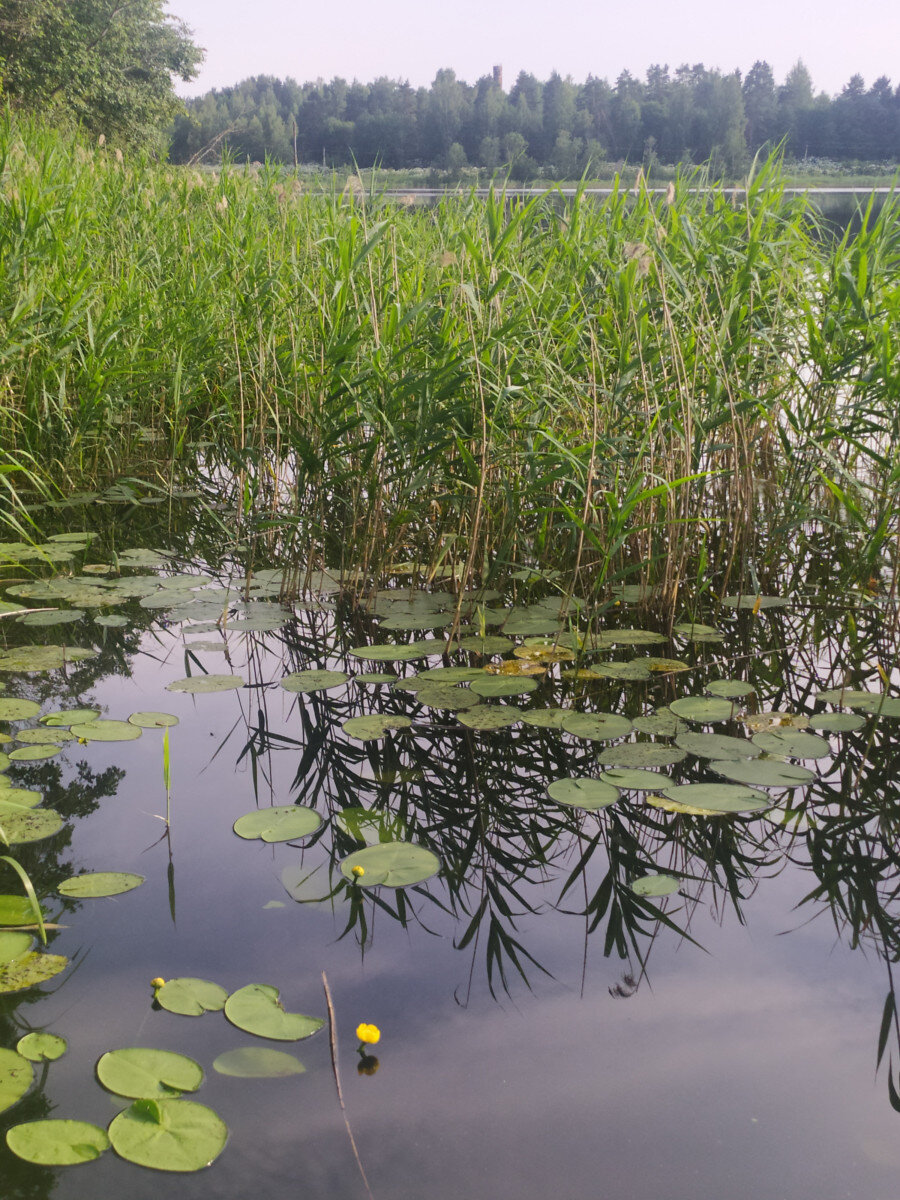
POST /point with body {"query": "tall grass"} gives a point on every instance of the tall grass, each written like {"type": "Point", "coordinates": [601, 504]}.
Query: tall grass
{"type": "Point", "coordinates": [657, 387]}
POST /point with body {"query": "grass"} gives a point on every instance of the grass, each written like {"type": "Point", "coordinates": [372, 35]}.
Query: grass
{"type": "Point", "coordinates": [665, 388]}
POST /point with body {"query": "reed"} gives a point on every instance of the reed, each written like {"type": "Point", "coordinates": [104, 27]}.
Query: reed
{"type": "Point", "coordinates": [658, 387]}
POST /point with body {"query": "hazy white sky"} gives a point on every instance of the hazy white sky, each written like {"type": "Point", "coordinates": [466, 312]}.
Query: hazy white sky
{"type": "Point", "coordinates": [412, 39]}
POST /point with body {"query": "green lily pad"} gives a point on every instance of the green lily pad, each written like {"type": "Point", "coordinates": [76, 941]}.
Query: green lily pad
{"type": "Point", "coordinates": [168, 1135]}
{"type": "Point", "coordinates": [634, 671]}
{"type": "Point", "coordinates": [486, 646]}
{"type": "Point", "coordinates": [583, 793]}
{"type": "Point", "coordinates": [597, 727]}
{"type": "Point", "coordinates": [21, 825]}
{"type": "Point", "coordinates": [257, 1009]}
{"type": "Point", "coordinates": [23, 797]}
{"type": "Point", "coordinates": [704, 710]}
{"type": "Point", "coordinates": [764, 772]}
{"type": "Point", "coordinates": [100, 883]}
{"type": "Point", "coordinates": [635, 779]}
{"type": "Point", "coordinates": [451, 674]}
{"type": "Point", "coordinates": [834, 722]}
{"type": "Point", "coordinates": [16, 910]}
{"type": "Point", "coordinates": [139, 1072]}
{"type": "Point", "coordinates": [191, 997]}
{"type": "Point", "coordinates": [41, 735]}
{"type": "Point", "coordinates": [281, 823]}
{"type": "Point", "coordinates": [492, 686]}
{"type": "Point", "coordinates": [206, 683]}
{"type": "Point", "coordinates": [391, 864]}
{"type": "Point", "coordinates": [721, 797]}
{"type": "Point", "coordinates": [14, 943]}
{"type": "Point", "coordinates": [33, 753]}
{"type": "Point", "coordinates": [313, 681]}
{"type": "Point", "coordinates": [152, 720]}
{"type": "Point", "coordinates": [55, 616]}
{"type": "Point", "coordinates": [111, 620]}
{"type": "Point", "coordinates": [545, 718]}
{"type": "Point", "coordinates": [849, 697]}
{"type": "Point", "coordinates": [42, 1047]}
{"type": "Point", "coordinates": [30, 970]}
{"type": "Point", "coordinates": [730, 689]}
{"type": "Point", "coordinates": [41, 658]}
{"type": "Point", "coordinates": [630, 637]}
{"type": "Point", "coordinates": [661, 723]}
{"type": "Point", "coordinates": [65, 717]}
{"type": "Point", "coordinates": [696, 632]}
{"type": "Point", "coordinates": [16, 1076]}
{"type": "Point", "coordinates": [257, 1062]}
{"type": "Point", "coordinates": [792, 743]}
{"type": "Point", "coordinates": [887, 707]}
{"type": "Point", "coordinates": [4, 764]}
{"type": "Point", "coordinates": [641, 754]}
{"type": "Point", "coordinates": [103, 730]}
{"type": "Point", "coordinates": [13, 709]}
{"type": "Point", "coordinates": [717, 745]}
{"type": "Point", "coordinates": [405, 653]}
{"type": "Point", "coordinates": [375, 678]}
{"type": "Point", "coordinates": [366, 729]}
{"type": "Point", "coordinates": [485, 717]}
{"type": "Point", "coordinates": [518, 624]}
{"type": "Point", "coordinates": [655, 885]}
{"type": "Point", "coordinates": [446, 696]}
{"type": "Point", "coordinates": [57, 1143]}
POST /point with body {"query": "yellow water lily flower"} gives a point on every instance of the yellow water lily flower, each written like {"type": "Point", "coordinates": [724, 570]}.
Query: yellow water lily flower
{"type": "Point", "coordinates": [369, 1035]}
{"type": "Point", "coordinates": [358, 870]}
{"type": "Point", "coordinates": [157, 983]}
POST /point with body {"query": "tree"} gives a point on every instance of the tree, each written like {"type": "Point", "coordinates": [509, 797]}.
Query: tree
{"type": "Point", "coordinates": [106, 65]}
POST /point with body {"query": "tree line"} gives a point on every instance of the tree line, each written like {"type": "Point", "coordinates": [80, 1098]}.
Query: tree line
{"type": "Point", "coordinates": [692, 114]}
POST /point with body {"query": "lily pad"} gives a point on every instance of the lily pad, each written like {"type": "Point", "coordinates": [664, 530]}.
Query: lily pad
{"type": "Point", "coordinates": [33, 753]}
{"type": "Point", "coordinates": [492, 686]}
{"type": "Point", "coordinates": [16, 910]}
{"type": "Point", "coordinates": [257, 1009]}
{"type": "Point", "coordinates": [168, 1135]}
{"type": "Point", "coordinates": [66, 717]}
{"type": "Point", "coordinates": [631, 637]}
{"type": "Point", "coordinates": [792, 743]}
{"type": "Point", "coordinates": [597, 727]}
{"type": "Point", "coordinates": [13, 709]}
{"type": "Point", "coordinates": [41, 735]}
{"type": "Point", "coordinates": [111, 621]}
{"type": "Point", "coordinates": [545, 718]}
{"type": "Point", "coordinates": [103, 730]}
{"type": "Point", "coordinates": [370, 728]}
{"type": "Point", "coordinates": [722, 797]}
{"type": "Point", "coordinates": [281, 823]}
{"type": "Point", "coordinates": [257, 1062]}
{"type": "Point", "coordinates": [391, 864]}
{"type": "Point", "coordinates": [889, 706]}
{"type": "Point", "coordinates": [23, 797]}
{"type": "Point", "coordinates": [635, 779]}
{"type": "Point", "coordinates": [30, 970]}
{"type": "Point", "coordinates": [764, 772]}
{"type": "Point", "coordinates": [688, 810]}
{"type": "Point", "coordinates": [485, 717]}
{"type": "Point", "coordinates": [661, 723]}
{"type": "Point", "coordinates": [313, 681]}
{"type": "Point", "coordinates": [14, 943]}
{"type": "Point", "coordinates": [139, 1072]}
{"type": "Point", "coordinates": [42, 1047]}
{"type": "Point", "coordinates": [655, 885]}
{"type": "Point", "coordinates": [375, 678]}
{"type": "Point", "coordinates": [487, 646]}
{"type": "Point", "coordinates": [206, 683]}
{"type": "Point", "coordinates": [641, 754]}
{"type": "Point", "coordinates": [704, 710]}
{"type": "Point", "coordinates": [16, 1076]}
{"type": "Point", "coordinates": [717, 745]}
{"type": "Point", "coordinates": [57, 1143]}
{"type": "Point", "coordinates": [21, 825]}
{"type": "Point", "coordinates": [100, 883]}
{"type": "Point", "coordinates": [390, 653]}
{"type": "Point", "coordinates": [583, 793]}
{"type": "Point", "coordinates": [191, 997]}
{"type": "Point", "coordinates": [837, 722]}
{"type": "Point", "coordinates": [152, 720]}
{"type": "Point", "coordinates": [446, 696]}
{"type": "Point", "coordinates": [696, 632]}
{"type": "Point", "coordinates": [849, 697]}
{"type": "Point", "coordinates": [634, 671]}
{"type": "Point", "coordinates": [730, 689]}
{"type": "Point", "coordinates": [55, 616]}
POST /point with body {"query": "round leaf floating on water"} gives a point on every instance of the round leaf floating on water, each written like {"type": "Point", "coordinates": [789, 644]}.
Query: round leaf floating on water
{"type": "Point", "coordinates": [152, 720]}
{"type": "Point", "coordinates": [634, 671]}
{"type": "Point", "coordinates": [33, 753]}
{"type": "Point", "coordinates": [730, 689]}
{"type": "Point", "coordinates": [23, 825]}
{"type": "Point", "coordinates": [191, 997]}
{"type": "Point", "coordinates": [54, 616]}
{"type": "Point", "coordinates": [389, 653]}
{"type": "Point", "coordinates": [43, 735]}
{"type": "Point", "coordinates": [281, 823]}
{"type": "Point", "coordinates": [375, 678]}
{"type": "Point", "coordinates": [391, 864]}
{"type": "Point", "coordinates": [366, 729]}
{"type": "Point", "coordinates": [631, 637]}
{"type": "Point", "coordinates": [168, 1135]}
{"type": "Point", "coordinates": [13, 709]}
{"type": "Point", "coordinates": [717, 745]}
{"type": "Point", "coordinates": [492, 686]}
{"type": "Point", "coordinates": [257, 1062]}
{"type": "Point", "coordinates": [792, 743]}
{"type": "Point", "coordinates": [206, 683]}
{"type": "Point", "coordinates": [111, 621]}
{"type": "Point", "coordinates": [849, 697]}
{"type": "Point", "coordinates": [65, 717]}
{"type": "Point", "coordinates": [142, 1073]}
{"type": "Point", "coordinates": [590, 794]}
{"type": "Point", "coordinates": [446, 696]}
{"type": "Point", "coordinates": [14, 943]}
{"type": "Point", "coordinates": [655, 885]}
{"type": "Point", "coordinates": [16, 910]}
{"type": "Point", "coordinates": [764, 772]}
{"type": "Point", "coordinates": [486, 646]}
{"type": "Point", "coordinates": [57, 1143]}
{"type": "Point", "coordinates": [30, 970]}
{"type": "Point", "coordinates": [545, 718]}
{"type": "Point", "coordinates": [597, 727]}
{"type": "Point", "coordinates": [257, 1009]}
{"type": "Point", "coordinates": [313, 681]}
{"type": "Point", "coordinates": [641, 754]}
{"type": "Point", "coordinates": [23, 797]}
{"type": "Point", "coordinates": [16, 1075]}
{"type": "Point", "coordinates": [834, 722]}
{"type": "Point", "coordinates": [100, 883]}
{"type": "Point", "coordinates": [42, 1047]}
{"type": "Point", "coordinates": [722, 797]}
{"type": "Point", "coordinates": [485, 717]}
{"type": "Point", "coordinates": [888, 706]}
{"type": "Point", "coordinates": [661, 723]}
{"type": "Point", "coordinates": [698, 633]}
{"type": "Point", "coordinates": [704, 710]}
{"type": "Point", "coordinates": [103, 730]}
{"type": "Point", "coordinates": [634, 779]}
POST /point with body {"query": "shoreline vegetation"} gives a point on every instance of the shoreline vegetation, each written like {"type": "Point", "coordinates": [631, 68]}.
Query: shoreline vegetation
{"type": "Point", "coordinates": [675, 390]}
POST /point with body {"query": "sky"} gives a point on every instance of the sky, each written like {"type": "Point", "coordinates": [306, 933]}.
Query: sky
{"type": "Point", "coordinates": [413, 39]}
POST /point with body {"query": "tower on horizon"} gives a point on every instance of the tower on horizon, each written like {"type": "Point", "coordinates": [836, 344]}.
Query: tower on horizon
{"type": "Point", "coordinates": [497, 73]}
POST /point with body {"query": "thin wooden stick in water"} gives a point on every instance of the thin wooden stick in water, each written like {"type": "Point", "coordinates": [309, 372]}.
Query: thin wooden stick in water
{"type": "Point", "coordinates": [332, 1035]}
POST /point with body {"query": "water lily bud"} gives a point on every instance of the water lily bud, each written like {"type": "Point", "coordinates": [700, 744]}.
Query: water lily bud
{"type": "Point", "coordinates": [369, 1035]}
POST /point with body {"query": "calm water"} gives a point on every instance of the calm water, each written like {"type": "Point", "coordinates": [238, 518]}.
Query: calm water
{"type": "Point", "coordinates": [730, 1052]}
